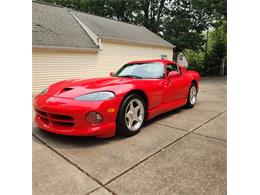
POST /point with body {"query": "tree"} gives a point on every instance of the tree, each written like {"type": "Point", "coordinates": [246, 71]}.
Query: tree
{"type": "Point", "coordinates": [183, 26]}
{"type": "Point", "coordinates": [214, 12]}
{"type": "Point", "coordinates": [150, 13]}
{"type": "Point", "coordinates": [218, 50]}
{"type": "Point", "coordinates": [75, 4]}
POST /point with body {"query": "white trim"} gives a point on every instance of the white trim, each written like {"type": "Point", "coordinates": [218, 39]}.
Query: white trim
{"type": "Point", "coordinates": [114, 40]}
{"type": "Point", "coordinates": [91, 34]}
{"type": "Point", "coordinates": [80, 49]}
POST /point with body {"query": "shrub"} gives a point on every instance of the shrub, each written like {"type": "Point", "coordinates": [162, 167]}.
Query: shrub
{"type": "Point", "coordinates": [195, 60]}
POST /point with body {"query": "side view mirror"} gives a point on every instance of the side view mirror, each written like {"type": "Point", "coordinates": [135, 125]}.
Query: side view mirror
{"type": "Point", "coordinates": [173, 74]}
{"type": "Point", "coordinates": [112, 74]}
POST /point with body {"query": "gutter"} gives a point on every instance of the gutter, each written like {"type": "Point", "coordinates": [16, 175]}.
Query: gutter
{"type": "Point", "coordinates": [114, 40]}
{"type": "Point", "coordinates": [61, 48]}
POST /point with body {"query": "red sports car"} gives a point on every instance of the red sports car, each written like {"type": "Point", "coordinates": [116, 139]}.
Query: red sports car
{"type": "Point", "coordinates": [102, 107]}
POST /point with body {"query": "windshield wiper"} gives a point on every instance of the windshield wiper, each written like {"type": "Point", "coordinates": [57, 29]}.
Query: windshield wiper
{"type": "Point", "coordinates": [131, 76]}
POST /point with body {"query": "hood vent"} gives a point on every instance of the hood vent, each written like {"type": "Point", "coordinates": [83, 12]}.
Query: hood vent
{"type": "Point", "coordinates": [65, 90]}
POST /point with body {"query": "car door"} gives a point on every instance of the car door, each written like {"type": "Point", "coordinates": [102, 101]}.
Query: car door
{"type": "Point", "coordinates": [176, 87]}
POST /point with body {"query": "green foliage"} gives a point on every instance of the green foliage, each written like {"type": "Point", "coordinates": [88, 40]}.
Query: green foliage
{"type": "Point", "coordinates": [195, 60]}
{"type": "Point", "coordinates": [181, 22]}
{"type": "Point", "coordinates": [213, 12]}
{"type": "Point", "coordinates": [183, 26]}
{"type": "Point", "coordinates": [217, 49]}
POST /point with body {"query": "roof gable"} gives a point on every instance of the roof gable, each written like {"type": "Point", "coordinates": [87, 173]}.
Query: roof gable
{"type": "Point", "coordinates": [55, 26]}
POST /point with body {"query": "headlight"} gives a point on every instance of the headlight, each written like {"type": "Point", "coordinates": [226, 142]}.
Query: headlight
{"type": "Point", "coordinates": [96, 96]}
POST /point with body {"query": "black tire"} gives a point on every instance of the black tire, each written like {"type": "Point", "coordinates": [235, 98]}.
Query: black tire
{"type": "Point", "coordinates": [189, 103]}
{"type": "Point", "coordinates": [121, 125]}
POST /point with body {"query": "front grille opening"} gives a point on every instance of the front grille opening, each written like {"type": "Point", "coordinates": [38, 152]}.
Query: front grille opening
{"type": "Point", "coordinates": [41, 113]}
{"type": "Point", "coordinates": [45, 120]}
{"type": "Point", "coordinates": [62, 124]}
{"type": "Point", "coordinates": [55, 119]}
{"type": "Point", "coordinates": [61, 117]}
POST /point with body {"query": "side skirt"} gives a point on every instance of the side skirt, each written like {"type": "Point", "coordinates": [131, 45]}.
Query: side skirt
{"type": "Point", "coordinates": [165, 108]}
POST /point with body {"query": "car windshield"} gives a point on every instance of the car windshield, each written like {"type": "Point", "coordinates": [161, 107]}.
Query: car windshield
{"type": "Point", "coordinates": [153, 70]}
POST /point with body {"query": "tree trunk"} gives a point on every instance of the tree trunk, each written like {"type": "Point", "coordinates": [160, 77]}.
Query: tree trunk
{"type": "Point", "coordinates": [206, 53]}
{"type": "Point", "coordinates": [146, 5]}
{"type": "Point", "coordinates": [222, 67]}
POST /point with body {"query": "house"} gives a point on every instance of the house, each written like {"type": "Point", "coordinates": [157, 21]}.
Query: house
{"type": "Point", "coordinates": [181, 59]}
{"type": "Point", "coordinates": [68, 44]}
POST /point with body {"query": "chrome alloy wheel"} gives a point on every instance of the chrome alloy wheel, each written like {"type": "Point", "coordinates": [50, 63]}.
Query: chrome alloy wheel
{"type": "Point", "coordinates": [193, 95]}
{"type": "Point", "coordinates": [134, 114]}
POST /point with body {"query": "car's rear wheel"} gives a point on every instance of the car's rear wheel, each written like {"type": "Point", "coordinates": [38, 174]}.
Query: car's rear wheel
{"type": "Point", "coordinates": [131, 115]}
{"type": "Point", "coordinates": [192, 97]}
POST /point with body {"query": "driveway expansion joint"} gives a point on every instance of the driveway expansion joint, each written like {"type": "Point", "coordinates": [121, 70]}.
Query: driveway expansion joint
{"type": "Point", "coordinates": [75, 165]}
{"type": "Point", "coordinates": [210, 137]}
{"type": "Point", "coordinates": [145, 159]}
{"type": "Point", "coordinates": [194, 129]}
{"type": "Point", "coordinates": [208, 121]}
{"type": "Point", "coordinates": [165, 147]}
{"type": "Point", "coordinates": [172, 127]}
{"type": "Point", "coordinates": [93, 190]}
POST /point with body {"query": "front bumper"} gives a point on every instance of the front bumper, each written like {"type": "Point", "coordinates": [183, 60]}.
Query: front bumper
{"type": "Point", "coordinates": [67, 116]}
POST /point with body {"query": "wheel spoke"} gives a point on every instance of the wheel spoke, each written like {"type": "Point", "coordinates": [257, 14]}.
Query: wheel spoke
{"type": "Point", "coordinates": [127, 115]}
{"type": "Point", "coordinates": [137, 109]}
{"type": "Point", "coordinates": [135, 118]}
{"type": "Point", "coordinates": [132, 107]}
{"type": "Point", "coordinates": [130, 123]}
{"type": "Point", "coordinates": [138, 120]}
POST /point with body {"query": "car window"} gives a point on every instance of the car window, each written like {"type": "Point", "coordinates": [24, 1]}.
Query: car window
{"type": "Point", "coordinates": [169, 68]}
{"type": "Point", "coordinates": [151, 70]}
{"type": "Point", "coordinates": [172, 67]}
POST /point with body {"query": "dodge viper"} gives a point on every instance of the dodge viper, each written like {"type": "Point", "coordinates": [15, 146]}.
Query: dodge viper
{"type": "Point", "coordinates": [121, 103]}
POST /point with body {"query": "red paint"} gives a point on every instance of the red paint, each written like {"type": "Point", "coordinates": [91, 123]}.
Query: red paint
{"type": "Point", "coordinates": [59, 112]}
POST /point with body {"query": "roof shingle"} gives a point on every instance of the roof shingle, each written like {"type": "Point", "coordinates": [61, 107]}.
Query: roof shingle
{"type": "Point", "coordinates": [55, 26]}
{"type": "Point", "coordinates": [112, 29]}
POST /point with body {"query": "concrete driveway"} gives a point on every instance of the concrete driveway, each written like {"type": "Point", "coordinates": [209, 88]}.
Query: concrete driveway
{"type": "Point", "coordinates": [180, 152]}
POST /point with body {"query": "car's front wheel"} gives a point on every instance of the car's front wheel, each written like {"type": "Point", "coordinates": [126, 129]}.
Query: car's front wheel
{"type": "Point", "coordinates": [131, 115]}
{"type": "Point", "coordinates": [192, 97]}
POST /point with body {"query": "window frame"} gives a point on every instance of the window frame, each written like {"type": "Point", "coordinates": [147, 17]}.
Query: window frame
{"type": "Point", "coordinates": [177, 68]}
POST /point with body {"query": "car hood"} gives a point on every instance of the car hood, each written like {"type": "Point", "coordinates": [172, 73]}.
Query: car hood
{"type": "Point", "coordinates": [75, 88]}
